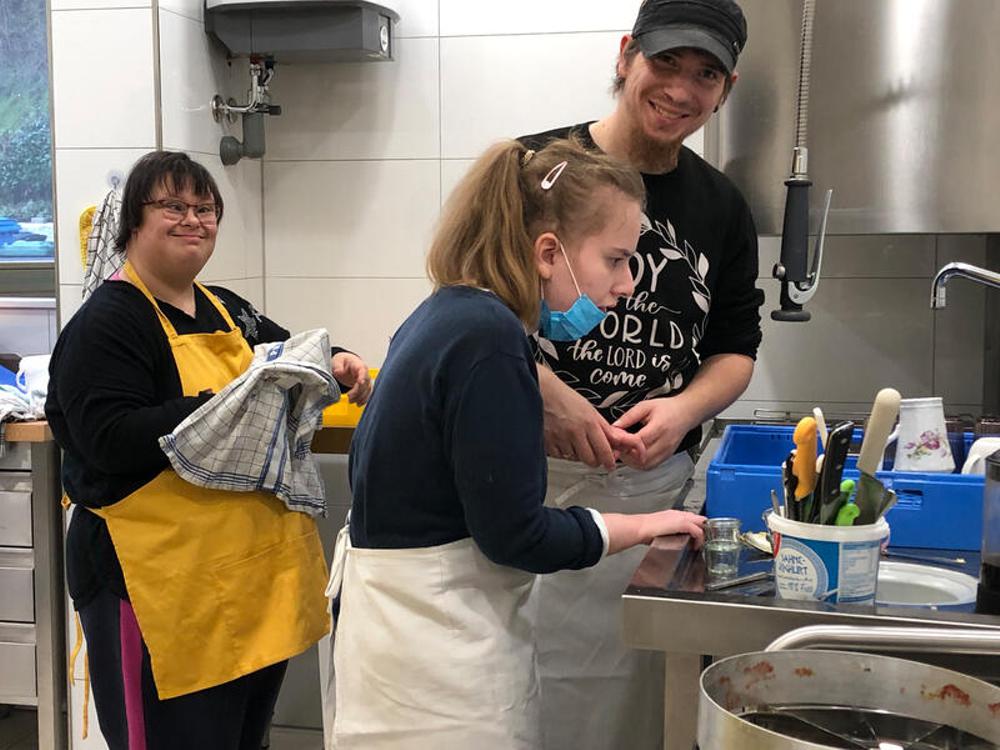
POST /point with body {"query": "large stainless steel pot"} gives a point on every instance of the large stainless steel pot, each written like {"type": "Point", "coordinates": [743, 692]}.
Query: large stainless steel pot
{"type": "Point", "coordinates": [832, 699]}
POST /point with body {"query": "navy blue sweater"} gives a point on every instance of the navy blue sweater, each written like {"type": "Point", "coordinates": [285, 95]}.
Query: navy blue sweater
{"type": "Point", "coordinates": [451, 443]}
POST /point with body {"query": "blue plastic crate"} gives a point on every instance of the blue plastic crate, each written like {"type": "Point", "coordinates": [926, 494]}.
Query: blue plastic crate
{"type": "Point", "coordinates": [940, 511]}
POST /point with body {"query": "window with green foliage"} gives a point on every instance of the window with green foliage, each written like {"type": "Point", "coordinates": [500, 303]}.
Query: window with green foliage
{"type": "Point", "coordinates": [26, 229]}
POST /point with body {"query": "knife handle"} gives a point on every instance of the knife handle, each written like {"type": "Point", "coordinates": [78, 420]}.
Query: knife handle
{"type": "Point", "coordinates": [837, 445]}
{"type": "Point", "coordinates": [880, 422]}
{"type": "Point", "coordinates": [804, 465]}
{"type": "Point", "coordinates": [790, 482]}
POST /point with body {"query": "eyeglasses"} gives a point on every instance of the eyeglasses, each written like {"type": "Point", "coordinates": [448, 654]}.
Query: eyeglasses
{"type": "Point", "coordinates": [205, 213]}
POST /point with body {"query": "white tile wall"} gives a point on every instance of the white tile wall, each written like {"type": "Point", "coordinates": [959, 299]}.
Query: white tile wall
{"type": "Point", "coordinates": [344, 202]}
{"type": "Point", "coordinates": [102, 79]}
{"type": "Point", "coordinates": [192, 71]}
{"type": "Point", "coordinates": [93, 132]}
{"type": "Point", "coordinates": [361, 314]}
{"type": "Point", "coordinates": [70, 299]}
{"type": "Point", "coordinates": [503, 86]}
{"type": "Point", "coordinates": [239, 248]}
{"type": "Point", "coordinates": [97, 4]}
{"type": "Point", "coordinates": [193, 9]}
{"type": "Point", "coordinates": [82, 180]}
{"type": "Point", "coordinates": [368, 219]}
{"type": "Point", "coordinates": [359, 110]}
{"type": "Point", "coordinates": [251, 290]}
{"type": "Point", "coordinates": [452, 171]}
{"type": "Point", "coordinates": [487, 17]}
{"type": "Point", "coordinates": [416, 17]}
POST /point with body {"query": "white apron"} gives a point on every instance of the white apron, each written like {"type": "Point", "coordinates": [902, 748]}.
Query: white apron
{"type": "Point", "coordinates": [597, 694]}
{"type": "Point", "coordinates": [433, 649]}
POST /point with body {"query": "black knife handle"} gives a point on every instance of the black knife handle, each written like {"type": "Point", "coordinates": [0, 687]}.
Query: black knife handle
{"type": "Point", "coordinates": [837, 444]}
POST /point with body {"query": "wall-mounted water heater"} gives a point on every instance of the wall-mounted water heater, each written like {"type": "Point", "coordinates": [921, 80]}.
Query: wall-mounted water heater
{"type": "Point", "coordinates": [288, 32]}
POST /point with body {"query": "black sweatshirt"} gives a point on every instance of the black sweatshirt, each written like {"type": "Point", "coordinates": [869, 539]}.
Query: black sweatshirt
{"type": "Point", "coordinates": [114, 390]}
{"type": "Point", "coordinates": [695, 293]}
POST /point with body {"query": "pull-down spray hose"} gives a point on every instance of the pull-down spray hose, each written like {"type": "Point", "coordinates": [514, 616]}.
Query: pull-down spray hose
{"type": "Point", "coordinates": [805, 79]}
{"type": "Point", "coordinates": [798, 283]}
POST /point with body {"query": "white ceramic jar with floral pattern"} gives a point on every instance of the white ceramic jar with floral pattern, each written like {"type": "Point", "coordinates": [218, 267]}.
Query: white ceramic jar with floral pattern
{"type": "Point", "coordinates": [921, 437]}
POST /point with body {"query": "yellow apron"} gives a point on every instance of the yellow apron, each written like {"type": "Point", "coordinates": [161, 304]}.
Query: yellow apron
{"type": "Point", "coordinates": [222, 583]}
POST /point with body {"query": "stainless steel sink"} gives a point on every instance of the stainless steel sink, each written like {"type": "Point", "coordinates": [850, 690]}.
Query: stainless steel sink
{"type": "Point", "coordinates": [915, 585]}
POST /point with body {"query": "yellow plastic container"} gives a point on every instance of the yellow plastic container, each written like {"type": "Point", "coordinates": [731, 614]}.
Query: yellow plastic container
{"type": "Point", "coordinates": [343, 413]}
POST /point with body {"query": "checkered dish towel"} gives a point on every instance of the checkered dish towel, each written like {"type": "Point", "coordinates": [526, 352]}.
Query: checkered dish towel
{"type": "Point", "coordinates": [256, 432]}
{"type": "Point", "coordinates": [102, 258]}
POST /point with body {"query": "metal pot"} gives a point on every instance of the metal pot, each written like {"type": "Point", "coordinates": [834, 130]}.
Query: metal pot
{"type": "Point", "coordinates": [782, 700]}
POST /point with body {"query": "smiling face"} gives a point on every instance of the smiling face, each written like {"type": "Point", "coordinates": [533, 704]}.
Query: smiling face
{"type": "Point", "coordinates": [174, 241]}
{"type": "Point", "coordinates": [669, 96]}
{"type": "Point", "coordinates": [599, 260]}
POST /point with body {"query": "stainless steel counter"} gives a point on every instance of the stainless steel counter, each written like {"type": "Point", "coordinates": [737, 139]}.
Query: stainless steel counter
{"type": "Point", "coordinates": [666, 609]}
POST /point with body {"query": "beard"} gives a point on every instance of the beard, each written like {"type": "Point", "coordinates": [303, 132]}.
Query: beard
{"type": "Point", "coordinates": [649, 155]}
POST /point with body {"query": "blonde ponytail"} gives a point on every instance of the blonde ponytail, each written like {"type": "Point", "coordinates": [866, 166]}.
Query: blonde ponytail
{"type": "Point", "coordinates": [486, 234]}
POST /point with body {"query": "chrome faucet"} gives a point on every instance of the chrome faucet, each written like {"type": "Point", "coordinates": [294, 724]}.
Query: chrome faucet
{"type": "Point", "coordinates": [966, 270]}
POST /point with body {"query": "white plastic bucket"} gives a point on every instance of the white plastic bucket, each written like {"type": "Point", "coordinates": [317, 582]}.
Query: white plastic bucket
{"type": "Point", "coordinates": [826, 563]}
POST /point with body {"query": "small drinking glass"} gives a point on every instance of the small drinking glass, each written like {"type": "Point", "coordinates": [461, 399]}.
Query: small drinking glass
{"type": "Point", "coordinates": [722, 547]}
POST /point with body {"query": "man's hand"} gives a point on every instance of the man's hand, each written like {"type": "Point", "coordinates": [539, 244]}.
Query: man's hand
{"type": "Point", "coordinates": [576, 431]}
{"type": "Point", "coordinates": [718, 382]}
{"type": "Point", "coordinates": [665, 422]}
{"type": "Point", "coordinates": [352, 371]}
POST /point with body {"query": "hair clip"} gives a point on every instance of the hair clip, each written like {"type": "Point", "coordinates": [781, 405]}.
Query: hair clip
{"type": "Point", "coordinates": [550, 179]}
{"type": "Point", "coordinates": [527, 157]}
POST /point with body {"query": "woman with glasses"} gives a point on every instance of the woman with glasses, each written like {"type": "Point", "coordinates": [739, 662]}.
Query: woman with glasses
{"type": "Point", "coordinates": [191, 655]}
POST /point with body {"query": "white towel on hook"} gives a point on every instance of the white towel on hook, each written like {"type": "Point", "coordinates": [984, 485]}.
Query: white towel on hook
{"type": "Point", "coordinates": [256, 432]}
{"type": "Point", "coordinates": [102, 258]}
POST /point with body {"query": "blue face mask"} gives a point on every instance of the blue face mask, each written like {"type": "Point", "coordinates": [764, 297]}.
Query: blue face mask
{"type": "Point", "coordinates": [582, 317]}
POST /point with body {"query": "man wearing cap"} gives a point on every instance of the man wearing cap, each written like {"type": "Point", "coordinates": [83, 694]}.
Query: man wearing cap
{"type": "Point", "coordinates": [672, 356]}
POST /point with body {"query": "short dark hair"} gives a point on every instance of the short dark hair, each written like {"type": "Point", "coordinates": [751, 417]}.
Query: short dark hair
{"type": "Point", "coordinates": [169, 169]}
{"type": "Point", "coordinates": [629, 53]}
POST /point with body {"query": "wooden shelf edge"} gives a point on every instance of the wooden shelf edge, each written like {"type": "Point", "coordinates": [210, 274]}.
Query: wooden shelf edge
{"type": "Point", "coordinates": [27, 432]}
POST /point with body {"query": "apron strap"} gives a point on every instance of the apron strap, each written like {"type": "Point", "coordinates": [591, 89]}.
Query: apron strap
{"type": "Point", "coordinates": [86, 674]}
{"type": "Point", "coordinates": [339, 558]}
{"type": "Point", "coordinates": [128, 271]}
